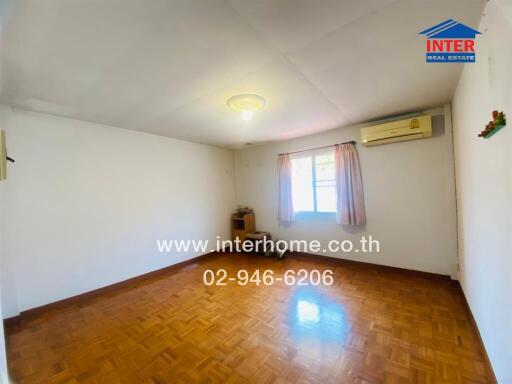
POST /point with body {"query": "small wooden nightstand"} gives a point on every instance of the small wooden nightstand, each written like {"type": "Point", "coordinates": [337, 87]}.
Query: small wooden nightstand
{"type": "Point", "coordinates": [242, 224]}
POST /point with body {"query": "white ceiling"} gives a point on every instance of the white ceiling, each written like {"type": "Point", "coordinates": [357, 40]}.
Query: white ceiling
{"type": "Point", "coordinates": [168, 66]}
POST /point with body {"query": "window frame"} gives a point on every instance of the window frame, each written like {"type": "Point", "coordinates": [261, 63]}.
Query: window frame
{"type": "Point", "coordinates": [313, 155]}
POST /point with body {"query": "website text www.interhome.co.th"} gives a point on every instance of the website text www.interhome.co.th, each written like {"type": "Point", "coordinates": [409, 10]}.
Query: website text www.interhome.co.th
{"type": "Point", "coordinates": [364, 245]}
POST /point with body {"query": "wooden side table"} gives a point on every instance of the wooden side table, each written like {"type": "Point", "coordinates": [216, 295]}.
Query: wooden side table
{"type": "Point", "coordinates": [241, 225]}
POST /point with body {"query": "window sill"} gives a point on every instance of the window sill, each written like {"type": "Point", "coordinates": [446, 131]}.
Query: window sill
{"type": "Point", "coordinates": [313, 215]}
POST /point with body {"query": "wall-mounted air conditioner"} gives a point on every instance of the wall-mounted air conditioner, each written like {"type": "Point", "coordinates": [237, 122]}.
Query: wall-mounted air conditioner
{"type": "Point", "coordinates": [410, 129]}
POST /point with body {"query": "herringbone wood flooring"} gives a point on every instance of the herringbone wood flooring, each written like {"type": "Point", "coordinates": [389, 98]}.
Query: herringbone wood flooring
{"type": "Point", "coordinates": [373, 326]}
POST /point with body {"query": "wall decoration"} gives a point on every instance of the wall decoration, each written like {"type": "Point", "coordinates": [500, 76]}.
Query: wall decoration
{"type": "Point", "coordinates": [498, 122]}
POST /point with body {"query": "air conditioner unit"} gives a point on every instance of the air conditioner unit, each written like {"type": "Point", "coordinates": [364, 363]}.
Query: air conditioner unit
{"type": "Point", "coordinates": [410, 129]}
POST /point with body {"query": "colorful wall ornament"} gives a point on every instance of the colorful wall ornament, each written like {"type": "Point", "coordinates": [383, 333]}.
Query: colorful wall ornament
{"type": "Point", "coordinates": [498, 122]}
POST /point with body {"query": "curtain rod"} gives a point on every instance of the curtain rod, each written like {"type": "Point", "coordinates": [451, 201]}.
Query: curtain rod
{"type": "Point", "coordinates": [314, 149]}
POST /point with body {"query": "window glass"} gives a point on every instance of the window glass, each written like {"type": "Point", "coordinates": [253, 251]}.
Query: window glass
{"type": "Point", "coordinates": [313, 183]}
{"type": "Point", "coordinates": [302, 184]}
{"type": "Point", "coordinates": [325, 183]}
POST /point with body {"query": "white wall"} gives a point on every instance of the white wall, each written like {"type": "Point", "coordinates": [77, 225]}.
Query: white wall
{"type": "Point", "coordinates": [4, 373]}
{"type": "Point", "coordinates": [87, 202]}
{"type": "Point", "coordinates": [484, 186]}
{"type": "Point", "coordinates": [410, 198]}
{"type": "Point", "coordinates": [4, 123]}
{"type": "Point", "coordinates": [3, 357]}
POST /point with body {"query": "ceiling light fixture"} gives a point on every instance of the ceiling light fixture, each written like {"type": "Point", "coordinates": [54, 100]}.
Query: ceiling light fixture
{"type": "Point", "coordinates": [247, 104]}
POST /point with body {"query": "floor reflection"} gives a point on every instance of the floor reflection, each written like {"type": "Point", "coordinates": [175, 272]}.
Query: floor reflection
{"type": "Point", "coordinates": [314, 317]}
{"type": "Point", "coordinates": [307, 312]}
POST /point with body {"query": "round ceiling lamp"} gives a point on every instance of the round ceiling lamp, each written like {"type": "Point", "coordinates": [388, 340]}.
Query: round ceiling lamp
{"type": "Point", "coordinates": [246, 103]}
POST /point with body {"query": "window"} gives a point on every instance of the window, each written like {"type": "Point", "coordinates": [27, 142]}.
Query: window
{"type": "Point", "coordinates": [313, 183]}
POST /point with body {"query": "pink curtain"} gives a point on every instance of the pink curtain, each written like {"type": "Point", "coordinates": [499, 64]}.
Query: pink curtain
{"type": "Point", "coordinates": [349, 186]}
{"type": "Point", "coordinates": [285, 209]}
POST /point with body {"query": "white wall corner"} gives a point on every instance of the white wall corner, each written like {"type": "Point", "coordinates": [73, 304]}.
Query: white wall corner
{"type": "Point", "coordinates": [451, 188]}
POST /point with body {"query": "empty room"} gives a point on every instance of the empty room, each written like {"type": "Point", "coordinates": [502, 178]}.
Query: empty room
{"type": "Point", "coordinates": [255, 191]}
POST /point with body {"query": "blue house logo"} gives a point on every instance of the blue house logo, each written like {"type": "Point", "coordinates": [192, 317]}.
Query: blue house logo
{"type": "Point", "coordinates": [450, 42]}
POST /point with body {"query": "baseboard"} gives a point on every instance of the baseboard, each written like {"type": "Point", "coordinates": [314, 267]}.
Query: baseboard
{"type": "Point", "coordinates": [490, 371]}
{"type": "Point", "coordinates": [371, 265]}
{"type": "Point", "coordinates": [133, 282]}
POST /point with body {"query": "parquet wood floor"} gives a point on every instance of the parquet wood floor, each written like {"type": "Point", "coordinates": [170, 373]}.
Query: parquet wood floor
{"type": "Point", "coordinates": [372, 326]}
